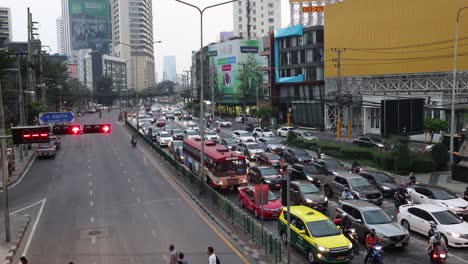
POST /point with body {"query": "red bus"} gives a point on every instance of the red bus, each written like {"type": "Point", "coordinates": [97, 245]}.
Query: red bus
{"type": "Point", "coordinates": [224, 169]}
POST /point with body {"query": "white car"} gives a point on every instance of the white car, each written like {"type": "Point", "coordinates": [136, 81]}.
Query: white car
{"type": "Point", "coordinates": [243, 136]}
{"type": "Point", "coordinates": [417, 218]}
{"type": "Point", "coordinates": [430, 194]}
{"type": "Point", "coordinates": [211, 135]}
{"type": "Point", "coordinates": [190, 133]}
{"type": "Point", "coordinates": [304, 135]}
{"type": "Point", "coordinates": [163, 138]}
{"type": "Point", "coordinates": [262, 132]}
{"type": "Point", "coordinates": [250, 149]}
{"type": "Point", "coordinates": [192, 126]}
{"type": "Point", "coordinates": [223, 123]}
{"type": "Point", "coordinates": [283, 131]}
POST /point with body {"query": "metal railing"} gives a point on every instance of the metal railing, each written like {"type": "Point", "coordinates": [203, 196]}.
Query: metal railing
{"type": "Point", "coordinates": [231, 213]}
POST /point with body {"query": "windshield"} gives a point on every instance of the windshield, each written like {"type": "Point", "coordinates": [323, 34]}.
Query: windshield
{"type": "Point", "coordinates": [210, 133]}
{"type": "Point", "coordinates": [177, 131]}
{"type": "Point", "coordinates": [272, 140]}
{"type": "Point", "coordinates": [382, 177]}
{"type": "Point", "coordinates": [272, 156]}
{"type": "Point", "coordinates": [376, 217]}
{"type": "Point", "coordinates": [323, 228]}
{"type": "Point", "coordinates": [177, 144]}
{"type": "Point", "coordinates": [442, 195]}
{"type": "Point", "coordinates": [272, 196]}
{"type": "Point", "coordinates": [244, 134]}
{"type": "Point", "coordinates": [266, 130]}
{"type": "Point", "coordinates": [230, 141]}
{"type": "Point", "coordinates": [377, 140]}
{"type": "Point", "coordinates": [192, 132]}
{"type": "Point", "coordinates": [268, 171]}
{"type": "Point", "coordinates": [44, 145]}
{"type": "Point", "coordinates": [308, 188]}
{"type": "Point", "coordinates": [230, 167]}
{"type": "Point", "coordinates": [447, 218]}
{"type": "Point", "coordinates": [253, 146]}
{"type": "Point", "coordinates": [358, 182]}
{"type": "Point", "coordinates": [164, 134]}
{"type": "Point", "coordinates": [300, 152]}
{"type": "Point", "coordinates": [333, 164]}
{"type": "Point", "coordinates": [310, 169]}
{"type": "Point", "coordinates": [308, 134]}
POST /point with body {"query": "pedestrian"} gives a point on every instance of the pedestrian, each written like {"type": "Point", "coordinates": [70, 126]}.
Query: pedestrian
{"type": "Point", "coordinates": [212, 259]}
{"type": "Point", "coordinates": [23, 260]}
{"type": "Point", "coordinates": [181, 259]}
{"type": "Point", "coordinates": [173, 258]}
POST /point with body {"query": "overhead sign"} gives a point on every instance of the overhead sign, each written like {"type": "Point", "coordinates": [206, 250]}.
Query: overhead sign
{"type": "Point", "coordinates": [56, 117]}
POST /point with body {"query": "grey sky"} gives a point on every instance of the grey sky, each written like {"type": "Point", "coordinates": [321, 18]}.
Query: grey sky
{"type": "Point", "coordinates": [175, 24]}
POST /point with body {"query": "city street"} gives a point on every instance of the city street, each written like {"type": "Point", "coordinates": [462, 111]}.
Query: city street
{"type": "Point", "coordinates": [102, 201]}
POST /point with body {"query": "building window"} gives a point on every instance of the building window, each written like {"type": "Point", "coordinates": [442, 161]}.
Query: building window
{"type": "Point", "coordinates": [254, 27]}
{"type": "Point", "coordinates": [319, 34]}
{"type": "Point", "coordinates": [261, 23]}
{"type": "Point", "coordinates": [271, 20]}
{"type": "Point", "coordinates": [240, 19]}
{"type": "Point", "coordinates": [293, 42]}
{"type": "Point", "coordinates": [271, 13]}
{"type": "Point", "coordinates": [270, 5]}
{"type": "Point", "coordinates": [254, 19]}
{"type": "Point", "coordinates": [263, 31]}
{"type": "Point", "coordinates": [309, 55]}
{"type": "Point", "coordinates": [240, 26]}
{"type": "Point", "coordinates": [375, 117]}
{"type": "Point", "coordinates": [240, 10]}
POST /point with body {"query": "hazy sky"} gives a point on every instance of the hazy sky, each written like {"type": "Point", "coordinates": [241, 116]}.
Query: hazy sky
{"type": "Point", "coordinates": [175, 24]}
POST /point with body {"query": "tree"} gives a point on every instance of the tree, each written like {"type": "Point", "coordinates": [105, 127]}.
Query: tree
{"type": "Point", "coordinates": [435, 125]}
{"type": "Point", "coordinates": [103, 93]}
{"type": "Point", "coordinates": [264, 113]}
{"type": "Point", "coordinates": [166, 87]}
{"type": "Point", "coordinates": [440, 156]}
{"type": "Point", "coordinates": [34, 109]}
{"type": "Point", "coordinates": [252, 77]}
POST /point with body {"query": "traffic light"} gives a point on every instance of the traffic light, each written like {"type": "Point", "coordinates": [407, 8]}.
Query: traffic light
{"type": "Point", "coordinates": [66, 129]}
{"type": "Point", "coordinates": [31, 134]}
{"type": "Point", "coordinates": [97, 128]}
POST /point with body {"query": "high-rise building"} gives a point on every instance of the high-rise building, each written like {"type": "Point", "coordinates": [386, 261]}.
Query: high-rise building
{"type": "Point", "coordinates": [60, 42]}
{"type": "Point", "coordinates": [264, 16]}
{"type": "Point", "coordinates": [225, 35]}
{"type": "Point", "coordinates": [5, 23]}
{"type": "Point", "coordinates": [86, 25]}
{"type": "Point", "coordinates": [170, 72]}
{"type": "Point", "coordinates": [132, 39]}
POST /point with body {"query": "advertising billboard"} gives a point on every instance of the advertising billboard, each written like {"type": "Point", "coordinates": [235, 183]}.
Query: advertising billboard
{"type": "Point", "coordinates": [90, 25]}
{"type": "Point", "coordinates": [236, 69]}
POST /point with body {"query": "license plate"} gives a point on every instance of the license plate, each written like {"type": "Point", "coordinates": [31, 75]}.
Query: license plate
{"type": "Point", "coordinates": [277, 185]}
{"type": "Point", "coordinates": [398, 245]}
{"type": "Point", "coordinates": [340, 257]}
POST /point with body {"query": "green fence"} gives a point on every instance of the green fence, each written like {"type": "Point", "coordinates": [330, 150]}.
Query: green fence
{"type": "Point", "coordinates": [233, 214]}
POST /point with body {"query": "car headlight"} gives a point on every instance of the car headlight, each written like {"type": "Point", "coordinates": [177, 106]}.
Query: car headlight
{"type": "Point", "coordinates": [455, 235]}
{"type": "Point", "coordinates": [381, 235]}
{"type": "Point", "coordinates": [310, 178]}
{"type": "Point", "coordinates": [325, 199]}
{"type": "Point", "coordinates": [323, 249]}
{"type": "Point", "coordinates": [350, 246]}
{"type": "Point", "coordinates": [385, 188]}
{"type": "Point", "coordinates": [299, 159]}
{"type": "Point", "coordinates": [380, 145]}
{"type": "Point", "coordinates": [267, 181]}
{"type": "Point", "coordinates": [309, 201]}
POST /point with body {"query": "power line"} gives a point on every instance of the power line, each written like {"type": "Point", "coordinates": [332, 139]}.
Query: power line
{"type": "Point", "coordinates": [410, 58]}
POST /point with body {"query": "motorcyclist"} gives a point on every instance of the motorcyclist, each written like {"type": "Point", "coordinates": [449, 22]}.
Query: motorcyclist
{"type": "Point", "coordinates": [133, 141]}
{"type": "Point", "coordinates": [412, 179]}
{"type": "Point", "coordinates": [355, 167]}
{"type": "Point", "coordinates": [465, 194]}
{"type": "Point", "coordinates": [346, 194]}
{"type": "Point", "coordinates": [432, 230]}
{"type": "Point", "coordinates": [436, 240]}
{"type": "Point", "coordinates": [346, 223]}
{"type": "Point", "coordinates": [371, 240]}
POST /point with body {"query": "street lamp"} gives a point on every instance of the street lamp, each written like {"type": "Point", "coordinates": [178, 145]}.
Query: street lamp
{"type": "Point", "coordinates": [202, 114]}
{"type": "Point", "coordinates": [452, 117]}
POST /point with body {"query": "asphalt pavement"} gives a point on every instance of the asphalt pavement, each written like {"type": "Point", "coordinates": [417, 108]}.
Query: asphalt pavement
{"type": "Point", "coordinates": [414, 253]}
{"type": "Point", "coordinates": [102, 201]}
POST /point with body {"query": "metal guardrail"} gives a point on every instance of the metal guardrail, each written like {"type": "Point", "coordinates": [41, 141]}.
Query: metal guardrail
{"type": "Point", "coordinates": [233, 214]}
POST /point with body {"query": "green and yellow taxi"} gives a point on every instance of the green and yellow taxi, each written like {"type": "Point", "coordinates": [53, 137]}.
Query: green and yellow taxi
{"type": "Point", "coordinates": [314, 234]}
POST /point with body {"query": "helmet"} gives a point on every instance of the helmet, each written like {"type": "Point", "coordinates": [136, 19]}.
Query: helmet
{"type": "Point", "coordinates": [346, 189]}
{"type": "Point", "coordinates": [433, 225]}
{"type": "Point", "coordinates": [437, 234]}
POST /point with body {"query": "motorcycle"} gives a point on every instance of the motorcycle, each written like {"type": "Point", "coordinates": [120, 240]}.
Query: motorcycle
{"type": "Point", "coordinates": [356, 170]}
{"type": "Point", "coordinates": [100, 114]}
{"type": "Point", "coordinates": [399, 199]}
{"type": "Point", "coordinates": [376, 256]}
{"type": "Point", "coordinates": [133, 142]}
{"type": "Point", "coordinates": [438, 255]}
{"type": "Point", "coordinates": [352, 236]}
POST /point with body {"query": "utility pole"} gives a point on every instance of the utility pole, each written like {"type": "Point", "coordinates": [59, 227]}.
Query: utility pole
{"type": "Point", "coordinates": [248, 20]}
{"type": "Point", "coordinates": [339, 95]}
{"type": "Point", "coordinates": [212, 94]}
{"type": "Point", "coordinates": [43, 88]}
{"type": "Point", "coordinates": [30, 52]}
{"type": "Point", "coordinates": [20, 100]}
{"type": "Point", "coordinates": [6, 209]}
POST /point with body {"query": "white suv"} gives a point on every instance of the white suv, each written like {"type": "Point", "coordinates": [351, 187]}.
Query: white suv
{"type": "Point", "coordinates": [243, 136]}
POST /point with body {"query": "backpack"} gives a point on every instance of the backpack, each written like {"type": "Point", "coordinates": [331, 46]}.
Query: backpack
{"type": "Point", "coordinates": [217, 260]}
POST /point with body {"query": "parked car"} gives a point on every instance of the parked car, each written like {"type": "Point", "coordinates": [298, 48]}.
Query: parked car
{"type": "Point", "coordinates": [365, 216]}
{"type": "Point", "coordinates": [262, 132]}
{"type": "Point", "coordinates": [177, 134]}
{"type": "Point", "coordinates": [359, 187]}
{"type": "Point", "coordinates": [418, 218]}
{"type": "Point", "coordinates": [273, 160]}
{"type": "Point", "coordinates": [271, 209]}
{"type": "Point", "coordinates": [163, 138]}
{"type": "Point", "coordinates": [370, 142]}
{"type": "Point", "coordinates": [265, 175]}
{"type": "Point", "coordinates": [283, 131]}
{"type": "Point", "coordinates": [56, 141]}
{"type": "Point", "coordinates": [249, 149]}
{"type": "Point", "coordinates": [223, 123]}
{"type": "Point", "coordinates": [229, 143]}
{"type": "Point", "coordinates": [296, 156]}
{"type": "Point", "coordinates": [47, 150]}
{"type": "Point", "coordinates": [305, 172]}
{"type": "Point", "coordinates": [330, 166]}
{"type": "Point", "coordinates": [306, 193]}
{"type": "Point", "coordinates": [313, 233]}
{"type": "Point", "coordinates": [433, 194]}
{"type": "Point", "coordinates": [271, 144]}
{"type": "Point", "coordinates": [304, 134]}
{"type": "Point", "coordinates": [211, 135]}
{"type": "Point", "coordinates": [242, 136]}
{"type": "Point", "coordinates": [173, 145]}
{"type": "Point", "coordinates": [189, 133]}
{"type": "Point", "coordinates": [382, 181]}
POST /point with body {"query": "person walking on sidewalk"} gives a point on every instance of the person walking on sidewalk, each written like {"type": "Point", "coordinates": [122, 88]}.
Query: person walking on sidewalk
{"type": "Point", "coordinates": [23, 260]}
{"type": "Point", "coordinates": [173, 257]}
{"type": "Point", "coordinates": [212, 259]}
{"type": "Point", "coordinates": [181, 259]}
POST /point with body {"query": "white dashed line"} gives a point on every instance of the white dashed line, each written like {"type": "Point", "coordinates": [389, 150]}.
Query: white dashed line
{"type": "Point", "coordinates": [92, 219]}
{"type": "Point", "coordinates": [138, 199]}
{"type": "Point", "coordinates": [89, 161]}
{"type": "Point", "coordinates": [91, 203]}
{"type": "Point", "coordinates": [145, 215]}
{"type": "Point", "coordinates": [125, 172]}
{"type": "Point", "coordinates": [89, 175]}
{"type": "Point", "coordinates": [91, 192]}
{"type": "Point", "coordinates": [121, 164]}
{"type": "Point", "coordinates": [90, 184]}
{"type": "Point", "coordinates": [133, 189]}
{"type": "Point", "coordinates": [153, 232]}
{"type": "Point", "coordinates": [89, 167]}
{"type": "Point", "coordinates": [93, 240]}
{"type": "Point", "coordinates": [129, 180]}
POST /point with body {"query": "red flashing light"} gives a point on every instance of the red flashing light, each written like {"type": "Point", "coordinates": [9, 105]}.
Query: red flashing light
{"type": "Point", "coordinates": [75, 130]}
{"type": "Point", "coordinates": [44, 135]}
{"type": "Point", "coordinates": [35, 135]}
{"type": "Point", "coordinates": [27, 136]}
{"type": "Point", "coordinates": [105, 129]}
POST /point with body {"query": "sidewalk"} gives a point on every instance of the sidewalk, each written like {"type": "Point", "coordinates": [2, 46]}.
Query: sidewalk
{"type": "Point", "coordinates": [18, 226]}
{"type": "Point", "coordinates": [21, 165]}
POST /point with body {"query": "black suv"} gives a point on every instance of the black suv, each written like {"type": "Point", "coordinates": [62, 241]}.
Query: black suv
{"type": "Point", "coordinates": [296, 156]}
{"type": "Point", "coordinates": [306, 172]}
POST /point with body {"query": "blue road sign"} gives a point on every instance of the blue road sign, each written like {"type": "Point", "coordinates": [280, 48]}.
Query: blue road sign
{"type": "Point", "coordinates": [56, 117]}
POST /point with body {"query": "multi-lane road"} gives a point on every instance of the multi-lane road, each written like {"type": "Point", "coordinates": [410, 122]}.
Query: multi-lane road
{"type": "Point", "coordinates": [102, 201]}
{"type": "Point", "coordinates": [414, 253]}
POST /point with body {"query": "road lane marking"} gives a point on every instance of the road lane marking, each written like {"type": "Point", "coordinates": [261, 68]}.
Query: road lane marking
{"type": "Point", "coordinates": [89, 167]}
{"type": "Point", "coordinates": [129, 180]}
{"type": "Point", "coordinates": [91, 203]}
{"type": "Point", "coordinates": [413, 238]}
{"type": "Point", "coordinates": [93, 240]}
{"type": "Point", "coordinates": [89, 174]}
{"type": "Point", "coordinates": [133, 189]}
{"type": "Point", "coordinates": [27, 207]}
{"type": "Point", "coordinates": [121, 164]}
{"type": "Point", "coordinates": [33, 230]}
{"type": "Point", "coordinates": [145, 215]}
{"type": "Point", "coordinates": [89, 161]}
{"type": "Point", "coordinates": [90, 184]}
{"type": "Point", "coordinates": [197, 210]}
{"type": "Point", "coordinates": [125, 172]}
{"type": "Point", "coordinates": [22, 176]}
{"type": "Point", "coordinates": [138, 199]}
{"type": "Point", "coordinates": [91, 192]}
{"type": "Point", "coordinates": [153, 232]}
{"type": "Point", "coordinates": [92, 219]}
